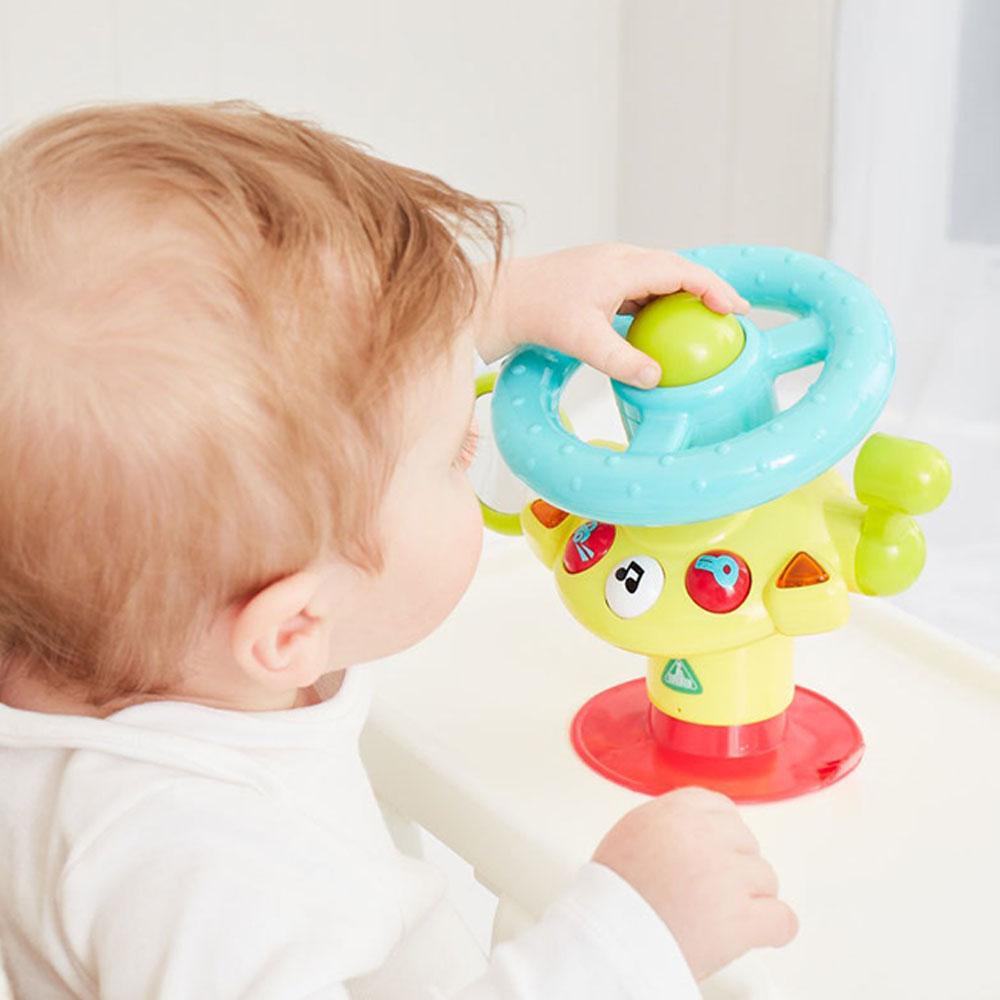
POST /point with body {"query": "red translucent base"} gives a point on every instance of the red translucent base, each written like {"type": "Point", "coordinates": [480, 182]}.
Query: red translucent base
{"type": "Point", "coordinates": [623, 737]}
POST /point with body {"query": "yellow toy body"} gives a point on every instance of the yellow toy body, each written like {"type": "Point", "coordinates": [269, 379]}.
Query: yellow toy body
{"type": "Point", "coordinates": [719, 678]}
{"type": "Point", "coordinates": [741, 660]}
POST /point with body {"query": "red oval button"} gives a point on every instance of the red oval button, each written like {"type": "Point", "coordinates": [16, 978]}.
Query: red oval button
{"type": "Point", "coordinates": [588, 545]}
{"type": "Point", "coordinates": [718, 581]}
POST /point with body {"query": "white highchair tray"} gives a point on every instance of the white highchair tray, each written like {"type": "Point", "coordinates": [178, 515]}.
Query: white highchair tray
{"type": "Point", "coordinates": [893, 871]}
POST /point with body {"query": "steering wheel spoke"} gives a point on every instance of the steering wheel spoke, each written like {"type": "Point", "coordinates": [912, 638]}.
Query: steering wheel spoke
{"type": "Point", "coordinates": [661, 433]}
{"type": "Point", "coordinates": [796, 344]}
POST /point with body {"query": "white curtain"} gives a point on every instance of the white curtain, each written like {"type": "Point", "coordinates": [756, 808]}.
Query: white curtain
{"type": "Point", "coordinates": [916, 213]}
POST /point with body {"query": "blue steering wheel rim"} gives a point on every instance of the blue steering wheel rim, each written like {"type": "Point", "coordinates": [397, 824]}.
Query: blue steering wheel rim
{"type": "Point", "coordinates": [712, 448]}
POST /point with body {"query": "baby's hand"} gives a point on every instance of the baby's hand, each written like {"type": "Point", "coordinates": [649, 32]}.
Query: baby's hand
{"type": "Point", "coordinates": [567, 300]}
{"type": "Point", "coordinates": [691, 857]}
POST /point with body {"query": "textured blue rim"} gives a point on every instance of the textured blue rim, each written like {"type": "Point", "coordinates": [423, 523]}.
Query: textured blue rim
{"type": "Point", "coordinates": [657, 482]}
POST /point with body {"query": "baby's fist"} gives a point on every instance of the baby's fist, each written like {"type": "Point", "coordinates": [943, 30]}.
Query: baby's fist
{"type": "Point", "coordinates": [689, 854]}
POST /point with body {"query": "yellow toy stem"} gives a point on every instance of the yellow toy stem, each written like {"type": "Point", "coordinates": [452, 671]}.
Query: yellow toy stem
{"type": "Point", "coordinates": [496, 520]}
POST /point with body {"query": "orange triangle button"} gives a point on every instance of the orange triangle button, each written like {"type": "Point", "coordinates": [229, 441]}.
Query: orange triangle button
{"type": "Point", "coordinates": [801, 571]}
{"type": "Point", "coordinates": [547, 515]}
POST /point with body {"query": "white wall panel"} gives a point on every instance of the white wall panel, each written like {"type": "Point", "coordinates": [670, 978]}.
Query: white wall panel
{"type": "Point", "coordinates": [517, 101]}
{"type": "Point", "coordinates": [53, 53]}
{"type": "Point", "coordinates": [725, 121]}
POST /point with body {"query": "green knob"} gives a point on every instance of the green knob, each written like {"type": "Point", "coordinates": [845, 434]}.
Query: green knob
{"type": "Point", "coordinates": [890, 553]}
{"type": "Point", "coordinates": [901, 474]}
{"type": "Point", "coordinates": [690, 341]}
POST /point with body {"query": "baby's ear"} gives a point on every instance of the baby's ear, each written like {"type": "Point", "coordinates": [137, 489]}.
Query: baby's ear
{"type": "Point", "coordinates": [276, 639]}
{"type": "Point", "coordinates": [547, 528]}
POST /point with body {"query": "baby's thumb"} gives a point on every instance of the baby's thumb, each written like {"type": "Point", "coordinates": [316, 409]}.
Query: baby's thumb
{"type": "Point", "coordinates": [602, 348]}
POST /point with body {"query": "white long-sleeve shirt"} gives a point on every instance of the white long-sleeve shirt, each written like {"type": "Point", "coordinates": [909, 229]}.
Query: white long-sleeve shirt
{"type": "Point", "coordinates": [173, 851]}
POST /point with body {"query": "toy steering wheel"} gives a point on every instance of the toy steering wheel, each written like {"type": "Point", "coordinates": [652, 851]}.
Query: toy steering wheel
{"type": "Point", "coordinates": [712, 447]}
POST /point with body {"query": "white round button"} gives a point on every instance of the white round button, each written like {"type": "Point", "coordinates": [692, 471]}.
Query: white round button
{"type": "Point", "coordinates": [633, 586]}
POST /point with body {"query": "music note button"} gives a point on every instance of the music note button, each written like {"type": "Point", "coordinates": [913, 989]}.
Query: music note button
{"type": "Point", "coordinates": [633, 586]}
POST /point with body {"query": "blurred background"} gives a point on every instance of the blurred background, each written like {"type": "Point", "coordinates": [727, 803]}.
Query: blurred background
{"type": "Point", "coordinates": [867, 131]}
{"type": "Point", "coordinates": [864, 130]}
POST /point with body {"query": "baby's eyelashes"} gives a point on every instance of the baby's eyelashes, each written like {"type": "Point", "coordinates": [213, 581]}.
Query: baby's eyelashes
{"type": "Point", "coordinates": [467, 452]}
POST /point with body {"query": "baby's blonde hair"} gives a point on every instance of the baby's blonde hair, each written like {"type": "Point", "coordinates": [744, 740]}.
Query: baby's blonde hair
{"type": "Point", "coordinates": [203, 309]}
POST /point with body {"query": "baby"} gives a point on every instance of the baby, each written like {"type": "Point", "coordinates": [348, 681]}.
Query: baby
{"type": "Point", "coordinates": [236, 410]}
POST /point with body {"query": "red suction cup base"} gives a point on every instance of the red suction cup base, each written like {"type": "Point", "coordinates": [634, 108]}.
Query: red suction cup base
{"type": "Point", "coordinates": [614, 734]}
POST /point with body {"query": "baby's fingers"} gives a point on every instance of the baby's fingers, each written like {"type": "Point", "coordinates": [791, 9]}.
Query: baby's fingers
{"type": "Point", "coordinates": [651, 273]}
{"type": "Point", "coordinates": [772, 923]}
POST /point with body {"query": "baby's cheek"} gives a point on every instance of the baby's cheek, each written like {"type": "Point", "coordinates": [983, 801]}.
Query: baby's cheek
{"type": "Point", "coordinates": [472, 537]}
{"type": "Point", "coordinates": [441, 555]}
{"type": "Point", "coordinates": [460, 539]}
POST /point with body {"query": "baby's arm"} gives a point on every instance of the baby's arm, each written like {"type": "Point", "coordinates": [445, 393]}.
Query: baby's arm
{"type": "Point", "coordinates": [224, 893]}
{"type": "Point", "coordinates": [568, 299]}
{"type": "Point", "coordinates": [599, 940]}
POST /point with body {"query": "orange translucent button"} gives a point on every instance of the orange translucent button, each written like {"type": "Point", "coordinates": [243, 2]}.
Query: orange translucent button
{"type": "Point", "coordinates": [801, 571]}
{"type": "Point", "coordinates": [547, 515]}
